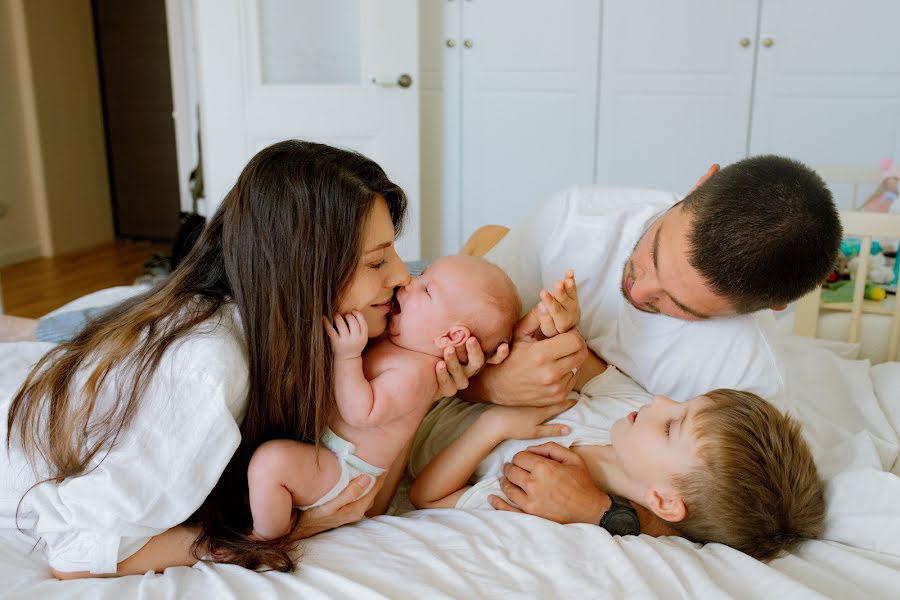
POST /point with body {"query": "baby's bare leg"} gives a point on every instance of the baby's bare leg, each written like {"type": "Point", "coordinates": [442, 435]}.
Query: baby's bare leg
{"type": "Point", "coordinates": [283, 474]}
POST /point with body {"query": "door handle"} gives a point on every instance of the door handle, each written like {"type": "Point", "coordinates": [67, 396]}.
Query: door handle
{"type": "Point", "coordinates": [405, 80]}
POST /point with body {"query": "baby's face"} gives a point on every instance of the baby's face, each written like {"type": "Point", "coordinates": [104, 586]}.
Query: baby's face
{"type": "Point", "coordinates": [437, 300]}
{"type": "Point", "coordinates": [658, 442]}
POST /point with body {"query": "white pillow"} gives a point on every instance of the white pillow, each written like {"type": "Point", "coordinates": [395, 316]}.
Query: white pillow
{"type": "Point", "coordinates": [886, 381]}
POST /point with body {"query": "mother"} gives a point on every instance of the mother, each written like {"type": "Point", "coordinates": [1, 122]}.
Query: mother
{"type": "Point", "coordinates": [149, 417]}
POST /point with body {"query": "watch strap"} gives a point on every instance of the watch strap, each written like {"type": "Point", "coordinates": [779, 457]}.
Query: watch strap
{"type": "Point", "coordinates": [621, 518]}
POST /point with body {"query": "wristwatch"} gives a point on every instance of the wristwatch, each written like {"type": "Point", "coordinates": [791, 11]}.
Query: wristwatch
{"type": "Point", "coordinates": [621, 518]}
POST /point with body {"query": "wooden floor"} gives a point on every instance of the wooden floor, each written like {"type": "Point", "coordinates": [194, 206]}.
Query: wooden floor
{"type": "Point", "coordinates": [34, 288]}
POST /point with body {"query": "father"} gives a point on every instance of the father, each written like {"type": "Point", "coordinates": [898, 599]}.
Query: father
{"type": "Point", "coordinates": [675, 293]}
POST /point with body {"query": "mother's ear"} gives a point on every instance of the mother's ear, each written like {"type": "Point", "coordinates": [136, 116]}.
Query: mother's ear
{"type": "Point", "coordinates": [667, 505]}
{"type": "Point", "coordinates": [455, 337]}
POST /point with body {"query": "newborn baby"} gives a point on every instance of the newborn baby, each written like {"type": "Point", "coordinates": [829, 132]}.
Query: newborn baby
{"type": "Point", "coordinates": [382, 394]}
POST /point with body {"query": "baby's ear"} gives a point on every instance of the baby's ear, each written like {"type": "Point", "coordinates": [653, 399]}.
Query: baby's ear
{"type": "Point", "coordinates": [666, 505]}
{"type": "Point", "coordinates": [456, 336]}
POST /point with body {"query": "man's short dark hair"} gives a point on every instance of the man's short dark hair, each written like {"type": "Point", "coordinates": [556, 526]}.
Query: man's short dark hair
{"type": "Point", "coordinates": [764, 232]}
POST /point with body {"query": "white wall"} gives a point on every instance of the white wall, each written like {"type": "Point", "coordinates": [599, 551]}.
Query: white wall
{"type": "Point", "coordinates": [18, 222]}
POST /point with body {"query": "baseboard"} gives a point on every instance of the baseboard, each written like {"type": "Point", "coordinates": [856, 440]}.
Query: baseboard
{"type": "Point", "coordinates": [12, 257]}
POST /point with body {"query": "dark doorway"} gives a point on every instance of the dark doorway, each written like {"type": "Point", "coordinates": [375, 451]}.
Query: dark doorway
{"type": "Point", "coordinates": [136, 87]}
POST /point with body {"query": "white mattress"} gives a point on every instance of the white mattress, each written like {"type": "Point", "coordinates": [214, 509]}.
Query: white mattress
{"type": "Point", "coordinates": [851, 415]}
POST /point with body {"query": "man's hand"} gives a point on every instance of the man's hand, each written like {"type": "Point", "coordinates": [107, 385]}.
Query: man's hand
{"type": "Point", "coordinates": [552, 482]}
{"type": "Point", "coordinates": [536, 373]}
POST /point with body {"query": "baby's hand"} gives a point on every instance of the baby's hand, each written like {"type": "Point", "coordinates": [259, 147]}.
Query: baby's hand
{"type": "Point", "coordinates": [527, 422]}
{"type": "Point", "coordinates": [559, 310]}
{"type": "Point", "coordinates": [349, 335]}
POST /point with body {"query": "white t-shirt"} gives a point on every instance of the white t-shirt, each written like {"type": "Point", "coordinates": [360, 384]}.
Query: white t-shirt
{"type": "Point", "coordinates": [603, 400]}
{"type": "Point", "coordinates": [161, 469]}
{"type": "Point", "coordinates": [593, 230]}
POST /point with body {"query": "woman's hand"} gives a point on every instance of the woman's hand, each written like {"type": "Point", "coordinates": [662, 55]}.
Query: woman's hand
{"type": "Point", "coordinates": [348, 507]}
{"type": "Point", "coordinates": [462, 363]}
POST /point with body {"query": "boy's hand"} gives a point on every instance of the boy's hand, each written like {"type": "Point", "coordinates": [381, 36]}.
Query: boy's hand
{"type": "Point", "coordinates": [527, 422]}
{"type": "Point", "coordinates": [559, 310]}
{"type": "Point", "coordinates": [349, 335]}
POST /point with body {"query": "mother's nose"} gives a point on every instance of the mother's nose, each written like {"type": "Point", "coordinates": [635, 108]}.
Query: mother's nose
{"type": "Point", "coordinates": [399, 275]}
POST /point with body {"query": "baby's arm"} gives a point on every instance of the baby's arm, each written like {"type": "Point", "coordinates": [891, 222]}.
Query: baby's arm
{"type": "Point", "coordinates": [559, 310]}
{"type": "Point", "coordinates": [445, 479]}
{"type": "Point", "coordinates": [353, 394]}
{"type": "Point", "coordinates": [392, 393]}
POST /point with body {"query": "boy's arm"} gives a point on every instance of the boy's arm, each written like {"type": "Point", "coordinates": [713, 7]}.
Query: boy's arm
{"type": "Point", "coordinates": [444, 480]}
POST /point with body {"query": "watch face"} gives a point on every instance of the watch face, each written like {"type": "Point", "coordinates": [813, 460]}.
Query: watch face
{"type": "Point", "coordinates": [622, 521]}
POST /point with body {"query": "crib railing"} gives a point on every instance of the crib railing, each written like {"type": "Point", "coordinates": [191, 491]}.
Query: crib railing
{"type": "Point", "coordinates": [866, 226]}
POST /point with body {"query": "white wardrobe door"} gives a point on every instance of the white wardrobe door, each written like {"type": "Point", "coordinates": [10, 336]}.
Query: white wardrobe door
{"type": "Point", "coordinates": [828, 86]}
{"type": "Point", "coordinates": [675, 88]}
{"type": "Point", "coordinates": [323, 71]}
{"type": "Point", "coordinates": [440, 129]}
{"type": "Point", "coordinates": [529, 104]}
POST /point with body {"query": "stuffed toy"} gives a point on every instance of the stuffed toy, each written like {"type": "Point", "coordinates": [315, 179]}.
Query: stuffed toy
{"type": "Point", "coordinates": [879, 270]}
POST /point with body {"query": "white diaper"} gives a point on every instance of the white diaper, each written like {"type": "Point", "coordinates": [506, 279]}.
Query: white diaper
{"type": "Point", "coordinates": [351, 466]}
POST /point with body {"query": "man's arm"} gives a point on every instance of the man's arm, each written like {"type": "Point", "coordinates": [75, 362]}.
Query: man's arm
{"type": "Point", "coordinates": [554, 483]}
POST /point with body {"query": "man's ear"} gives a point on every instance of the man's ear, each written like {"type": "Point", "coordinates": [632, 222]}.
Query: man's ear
{"type": "Point", "coordinates": [779, 308]}
{"type": "Point", "coordinates": [709, 173]}
{"type": "Point", "coordinates": [666, 505]}
{"type": "Point", "coordinates": [455, 337]}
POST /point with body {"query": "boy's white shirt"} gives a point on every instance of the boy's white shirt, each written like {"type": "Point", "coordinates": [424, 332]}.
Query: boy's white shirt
{"type": "Point", "coordinates": [593, 230]}
{"type": "Point", "coordinates": [180, 441]}
{"type": "Point", "coordinates": [603, 400]}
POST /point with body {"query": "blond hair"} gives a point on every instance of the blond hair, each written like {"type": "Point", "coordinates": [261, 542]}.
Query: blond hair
{"type": "Point", "coordinates": [758, 490]}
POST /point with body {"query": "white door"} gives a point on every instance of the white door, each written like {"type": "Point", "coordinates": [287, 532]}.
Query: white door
{"type": "Point", "coordinates": [270, 70]}
{"type": "Point", "coordinates": [828, 81]}
{"type": "Point", "coordinates": [529, 93]}
{"type": "Point", "coordinates": [675, 88]}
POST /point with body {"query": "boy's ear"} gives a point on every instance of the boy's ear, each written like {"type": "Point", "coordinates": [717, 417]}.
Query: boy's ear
{"type": "Point", "coordinates": [455, 337]}
{"type": "Point", "coordinates": [666, 505]}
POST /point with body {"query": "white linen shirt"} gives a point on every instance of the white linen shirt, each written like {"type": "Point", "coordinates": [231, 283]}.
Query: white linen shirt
{"type": "Point", "coordinates": [593, 230]}
{"type": "Point", "coordinates": [158, 473]}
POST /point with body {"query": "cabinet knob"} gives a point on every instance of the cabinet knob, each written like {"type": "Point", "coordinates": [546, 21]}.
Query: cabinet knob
{"type": "Point", "coordinates": [745, 42]}
{"type": "Point", "coordinates": [404, 81]}
{"type": "Point", "coordinates": [768, 42]}
{"type": "Point", "coordinates": [468, 43]}
{"type": "Point", "coordinates": [451, 43]}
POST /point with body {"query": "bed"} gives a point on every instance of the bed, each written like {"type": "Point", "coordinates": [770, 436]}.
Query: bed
{"type": "Point", "coordinates": [851, 414]}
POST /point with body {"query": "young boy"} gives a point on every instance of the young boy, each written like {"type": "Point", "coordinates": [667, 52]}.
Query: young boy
{"type": "Point", "coordinates": [724, 467]}
{"type": "Point", "coordinates": [382, 394]}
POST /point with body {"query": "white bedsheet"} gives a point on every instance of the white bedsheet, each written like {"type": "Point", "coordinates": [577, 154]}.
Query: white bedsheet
{"type": "Point", "coordinates": [851, 415]}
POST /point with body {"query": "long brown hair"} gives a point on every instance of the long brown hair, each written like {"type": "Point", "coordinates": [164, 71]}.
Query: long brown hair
{"type": "Point", "coordinates": [282, 248]}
